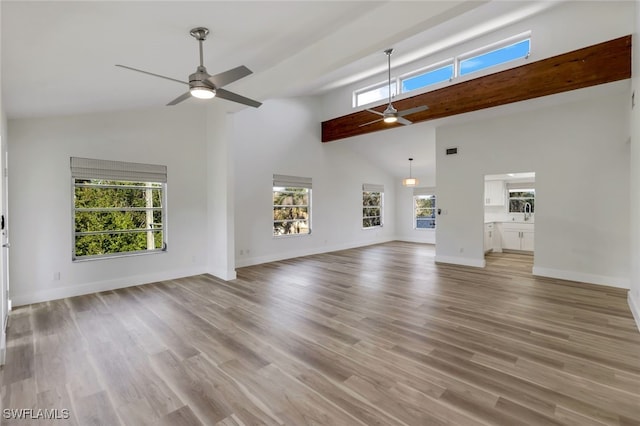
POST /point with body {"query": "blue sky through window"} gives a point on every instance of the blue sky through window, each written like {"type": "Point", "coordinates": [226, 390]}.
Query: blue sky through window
{"type": "Point", "coordinates": [496, 57]}
{"type": "Point", "coordinates": [428, 78]}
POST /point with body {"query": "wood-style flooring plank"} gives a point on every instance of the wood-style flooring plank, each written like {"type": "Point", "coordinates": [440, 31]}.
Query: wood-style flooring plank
{"type": "Point", "coordinates": [379, 335]}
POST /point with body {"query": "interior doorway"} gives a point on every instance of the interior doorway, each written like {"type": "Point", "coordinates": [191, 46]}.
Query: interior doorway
{"type": "Point", "coordinates": [509, 213]}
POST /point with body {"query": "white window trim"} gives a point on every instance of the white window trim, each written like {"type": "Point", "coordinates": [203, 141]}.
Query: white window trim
{"type": "Point", "coordinates": [496, 46]}
{"type": "Point", "coordinates": [494, 68]}
{"type": "Point", "coordinates": [394, 92]}
{"type": "Point", "coordinates": [428, 68]}
{"type": "Point", "coordinates": [397, 81]}
{"type": "Point", "coordinates": [520, 188]}
{"type": "Point", "coordinates": [435, 209]}
{"type": "Point", "coordinates": [87, 168]}
{"type": "Point", "coordinates": [288, 181]}
{"type": "Point", "coordinates": [367, 187]}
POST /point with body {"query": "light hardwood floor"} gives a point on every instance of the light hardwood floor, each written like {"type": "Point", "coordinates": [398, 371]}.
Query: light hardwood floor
{"type": "Point", "coordinates": [379, 335]}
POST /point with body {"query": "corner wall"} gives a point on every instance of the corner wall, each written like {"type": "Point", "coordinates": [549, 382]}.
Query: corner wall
{"type": "Point", "coordinates": [634, 292]}
{"type": "Point", "coordinates": [283, 137]}
{"type": "Point", "coordinates": [220, 194]}
{"type": "Point", "coordinates": [580, 154]}
{"type": "Point", "coordinates": [40, 198]}
{"type": "Point", "coordinates": [4, 311]}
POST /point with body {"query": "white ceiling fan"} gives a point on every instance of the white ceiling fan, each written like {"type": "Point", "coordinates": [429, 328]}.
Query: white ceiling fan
{"type": "Point", "coordinates": [390, 114]}
{"type": "Point", "coordinates": [205, 86]}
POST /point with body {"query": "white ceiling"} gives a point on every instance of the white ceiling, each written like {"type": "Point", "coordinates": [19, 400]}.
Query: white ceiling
{"type": "Point", "coordinates": [58, 57]}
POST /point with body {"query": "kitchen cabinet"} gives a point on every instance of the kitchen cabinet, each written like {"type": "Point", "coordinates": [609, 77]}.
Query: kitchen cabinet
{"type": "Point", "coordinates": [517, 236]}
{"type": "Point", "coordinates": [526, 242]}
{"type": "Point", "coordinates": [489, 231]}
{"type": "Point", "coordinates": [494, 193]}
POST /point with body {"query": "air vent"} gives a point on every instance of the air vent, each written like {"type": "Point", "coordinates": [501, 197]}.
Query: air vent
{"type": "Point", "coordinates": [451, 151]}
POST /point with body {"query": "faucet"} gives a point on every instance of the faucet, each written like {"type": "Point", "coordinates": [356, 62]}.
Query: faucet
{"type": "Point", "coordinates": [527, 211]}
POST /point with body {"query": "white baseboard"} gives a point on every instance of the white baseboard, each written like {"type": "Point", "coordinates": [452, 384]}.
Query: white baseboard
{"type": "Point", "coordinates": [619, 282]}
{"type": "Point", "coordinates": [223, 274]}
{"type": "Point", "coordinates": [464, 261]}
{"type": "Point", "coordinates": [97, 286]}
{"type": "Point", "coordinates": [3, 345]}
{"type": "Point", "coordinates": [417, 240]}
{"type": "Point", "coordinates": [274, 257]}
{"type": "Point", "coordinates": [635, 308]}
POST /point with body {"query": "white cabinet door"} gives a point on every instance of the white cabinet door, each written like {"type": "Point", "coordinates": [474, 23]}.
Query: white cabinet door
{"type": "Point", "coordinates": [486, 240]}
{"type": "Point", "coordinates": [494, 193]}
{"type": "Point", "coordinates": [488, 236]}
{"type": "Point", "coordinates": [511, 239]}
{"type": "Point", "coordinates": [526, 240]}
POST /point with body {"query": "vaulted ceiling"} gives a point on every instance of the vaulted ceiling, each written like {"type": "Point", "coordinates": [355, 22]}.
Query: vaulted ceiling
{"type": "Point", "coordinates": [58, 57]}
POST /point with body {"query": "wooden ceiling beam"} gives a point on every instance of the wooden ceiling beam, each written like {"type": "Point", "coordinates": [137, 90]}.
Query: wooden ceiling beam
{"type": "Point", "coordinates": [598, 64]}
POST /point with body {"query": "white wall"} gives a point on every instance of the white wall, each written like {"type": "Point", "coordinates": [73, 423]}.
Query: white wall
{"type": "Point", "coordinates": [4, 272]}
{"type": "Point", "coordinates": [283, 137]}
{"type": "Point", "coordinates": [559, 29]}
{"type": "Point", "coordinates": [580, 154]}
{"type": "Point", "coordinates": [40, 198]}
{"type": "Point", "coordinates": [220, 194]}
{"type": "Point", "coordinates": [634, 293]}
{"type": "Point", "coordinates": [3, 291]}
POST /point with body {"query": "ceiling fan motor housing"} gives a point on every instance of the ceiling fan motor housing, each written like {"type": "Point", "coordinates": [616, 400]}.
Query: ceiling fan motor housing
{"type": "Point", "coordinates": [198, 78]}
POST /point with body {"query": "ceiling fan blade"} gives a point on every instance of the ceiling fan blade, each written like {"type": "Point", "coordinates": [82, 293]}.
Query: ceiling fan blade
{"type": "Point", "coordinates": [371, 122]}
{"type": "Point", "coordinates": [375, 112]}
{"type": "Point", "coordinates": [412, 110]}
{"type": "Point", "coordinates": [150, 73]}
{"type": "Point", "coordinates": [404, 121]}
{"type": "Point", "coordinates": [227, 77]}
{"type": "Point", "coordinates": [180, 98]}
{"type": "Point", "coordinates": [230, 96]}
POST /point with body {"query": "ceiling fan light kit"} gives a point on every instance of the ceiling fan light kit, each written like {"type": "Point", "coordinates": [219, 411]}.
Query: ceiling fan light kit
{"type": "Point", "coordinates": [202, 92]}
{"type": "Point", "coordinates": [202, 85]}
{"type": "Point", "coordinates": [390, 114]}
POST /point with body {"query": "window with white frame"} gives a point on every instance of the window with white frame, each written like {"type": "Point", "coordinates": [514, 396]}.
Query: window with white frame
{"type": "Point", "coordinates": [119, 208]}
{"type": "Point", "coordinates": [372, 205]}
{"type": "Point", "coordinates": [427, 77]}
{"type": "Point", "coordinates": [424, 208]}
{"type": "Point", "coordinates": [511, 49]}
{"type": "Point", "coordinates": [522, 199]}
{"type": "Point", "coordinates": [291, 205]}
{"type": "Point", "coordinates": [373, 93]}
{"type": "Point", "coordinates": [494, 55]}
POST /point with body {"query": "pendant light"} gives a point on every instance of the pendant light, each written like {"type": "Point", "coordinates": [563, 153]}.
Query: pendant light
{"type": "Point", "coordinates": [410, 181]}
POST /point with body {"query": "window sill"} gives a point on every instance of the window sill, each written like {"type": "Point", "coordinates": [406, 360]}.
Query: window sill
{"type": "Point", "coordinates": [117, 255]}
{"type": "Point", "coordinates": [285, 236]}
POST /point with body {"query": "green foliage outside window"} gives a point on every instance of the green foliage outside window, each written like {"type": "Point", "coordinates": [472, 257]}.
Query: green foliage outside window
{"type": "Point", "coordinates": [371, 209]}
{"type": "Point", "coordinates": [291, 211]}
{"type": "Point", "coordinates": [519, 200]}
{"type": "Point", "coordinates": [425, 211]}
{"type": "Point", "coordinates": [117, 217]}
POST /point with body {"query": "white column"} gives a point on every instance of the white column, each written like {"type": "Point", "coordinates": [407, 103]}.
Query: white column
{"type": "Point", "coordinates": [220, 193]}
